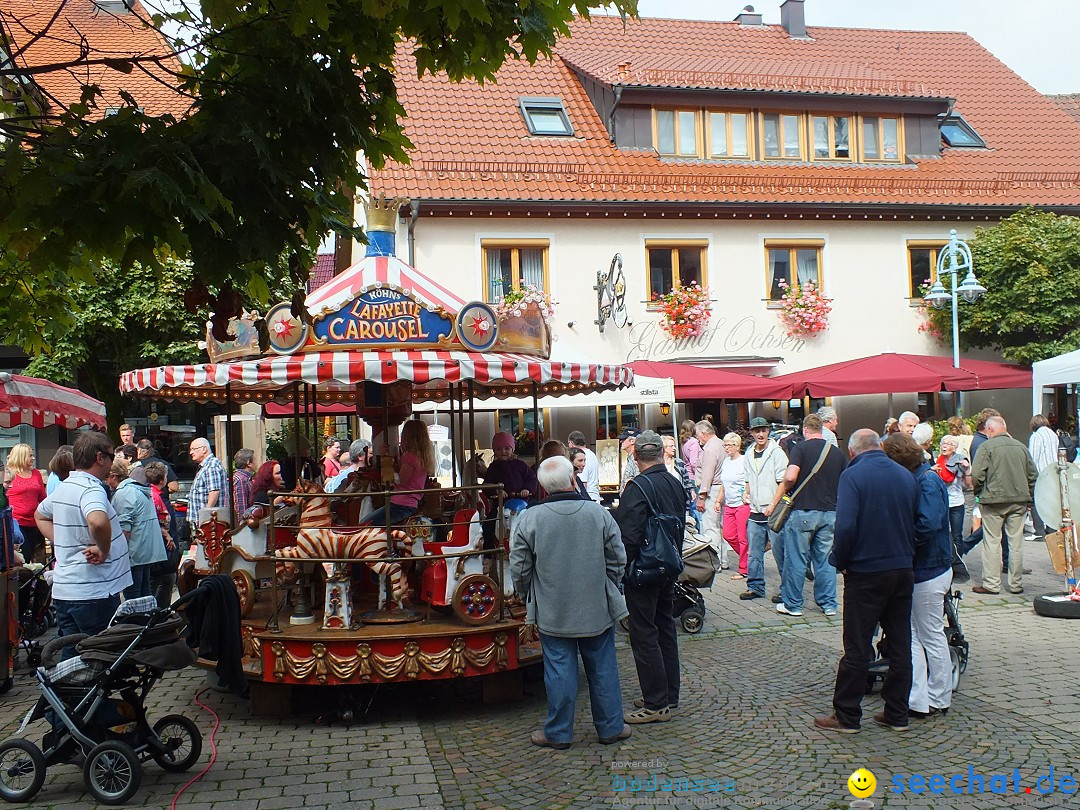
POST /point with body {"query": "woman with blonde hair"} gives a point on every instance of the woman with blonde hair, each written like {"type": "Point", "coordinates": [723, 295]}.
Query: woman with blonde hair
{"type": "Point", "coordinates": [736, 501]}
{"type": "Point", "coordinates": [416, 463]}
{"type": "Point", "coordinates": [25, 490]}
{"type": "Point", "coordinates": [691, 447]}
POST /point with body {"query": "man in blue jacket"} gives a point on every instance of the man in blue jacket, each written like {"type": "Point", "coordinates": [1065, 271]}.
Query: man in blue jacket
{"type": "Point", "coordinates": [874, 546]}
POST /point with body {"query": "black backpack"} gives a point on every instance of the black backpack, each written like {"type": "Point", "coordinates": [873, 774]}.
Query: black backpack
{"type": "Point", "coordinates": [659, 561]}
{"type": "Point", "coordinates": [1066, 443]}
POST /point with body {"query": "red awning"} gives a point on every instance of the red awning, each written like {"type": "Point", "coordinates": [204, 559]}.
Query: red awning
{"type": "Point", "coordinates": [891, 373]}
{"type": "Point", "coordinates": [693, 382]}
{"type": "Point", "coordinates": [40, 403]}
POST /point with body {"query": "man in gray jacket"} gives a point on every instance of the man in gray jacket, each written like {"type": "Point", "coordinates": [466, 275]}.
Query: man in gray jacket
{"type": "Point", "coordinates": [1003, 476]}
{"type": "Point", "coordinates": [567, 560]}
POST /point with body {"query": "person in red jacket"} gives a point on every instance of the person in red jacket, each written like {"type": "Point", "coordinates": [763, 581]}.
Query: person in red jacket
{"type": "Point", "coordinates": [25, 490]}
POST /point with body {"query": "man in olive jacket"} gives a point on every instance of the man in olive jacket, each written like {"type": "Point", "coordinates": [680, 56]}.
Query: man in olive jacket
{"type": "Point", "coordinates": [567, 560]}
{"type": "Point", "coordinates": [1003, 476]}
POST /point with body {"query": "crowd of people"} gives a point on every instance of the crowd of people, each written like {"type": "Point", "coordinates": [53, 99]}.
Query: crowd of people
{"type": "Point", "coordinates": [888, 512]}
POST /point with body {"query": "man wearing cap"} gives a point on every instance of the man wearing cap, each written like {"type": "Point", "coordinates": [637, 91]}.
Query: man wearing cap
{"type": "Point", "coordinates": [652, 624]}
{"type": "Point", "coordinates": [710, 487]}
{"type": "Point", "coordinates": [630, 467]}
{"type": "Point", "coordinates": [766, 465]}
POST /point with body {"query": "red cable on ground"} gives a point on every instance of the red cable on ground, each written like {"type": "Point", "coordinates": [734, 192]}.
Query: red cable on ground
{"type": "Point", "coordinates": [213, 748]}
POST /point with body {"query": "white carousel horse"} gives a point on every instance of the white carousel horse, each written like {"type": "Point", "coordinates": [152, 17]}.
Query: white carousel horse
{"type": "Point", "coordinates": [317, 539]}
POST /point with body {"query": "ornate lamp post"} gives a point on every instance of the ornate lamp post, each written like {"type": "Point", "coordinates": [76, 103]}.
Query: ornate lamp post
{"type": "Point", "coordinates": [957, 259]}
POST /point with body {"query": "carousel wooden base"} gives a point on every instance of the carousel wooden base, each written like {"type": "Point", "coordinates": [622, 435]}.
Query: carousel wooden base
{"type": "Point", "coordinates": [438, 646]}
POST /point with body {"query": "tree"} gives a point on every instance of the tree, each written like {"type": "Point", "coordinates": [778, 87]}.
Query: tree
{"type": "Point", "coordinates": [260, 159]}
{"type": "Point", "coordinates": [125, 319]}
{"type": "Point", "coordinates": [1030, 265]}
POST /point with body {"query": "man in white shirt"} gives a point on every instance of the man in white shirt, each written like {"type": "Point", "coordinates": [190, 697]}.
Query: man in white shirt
{"type": "Point", "coordinates": [92, 563]}
{"type": "Point", "coordinates": [591, 474]}
{"type": "Point", "coordinates": [358, 453]}
{"type": "Point", "coordinates": [829, 423]}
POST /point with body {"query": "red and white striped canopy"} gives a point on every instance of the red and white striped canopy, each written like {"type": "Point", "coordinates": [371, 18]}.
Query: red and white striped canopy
{"type": "Point", "coordinates": [40, 403]}
{"type": "Point", "coordinates": [335, 373]}
{"type": "Point", "coordinates": [380, 271]}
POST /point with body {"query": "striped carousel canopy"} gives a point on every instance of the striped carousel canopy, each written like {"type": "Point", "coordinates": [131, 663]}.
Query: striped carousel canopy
{"type": "Point", "coordinates": [380, 271]}
{"type": "Point", "coordinates": [335, 374]}
{"type": "Point", "coordinates": [40, 403]}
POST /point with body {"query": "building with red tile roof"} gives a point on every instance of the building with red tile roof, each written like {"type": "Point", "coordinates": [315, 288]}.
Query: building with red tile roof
{"type": "Point", "coordinates": [61, 46]}
{"type": "Point", "coordinates": [735, 155]}
{"type": "Point", "coordinates": [1069, 102]}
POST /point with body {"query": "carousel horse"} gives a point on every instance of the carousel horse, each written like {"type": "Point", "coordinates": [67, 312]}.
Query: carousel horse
{"type": "Point", "coordinates": [316, 538]}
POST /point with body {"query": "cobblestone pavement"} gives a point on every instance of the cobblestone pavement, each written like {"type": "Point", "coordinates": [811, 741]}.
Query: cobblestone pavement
{"type": "Point", "coordinates": [752, 683]}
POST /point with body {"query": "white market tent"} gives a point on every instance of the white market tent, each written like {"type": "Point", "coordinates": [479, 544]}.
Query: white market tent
{"type": "Point", "coordinates": [1061, 370]}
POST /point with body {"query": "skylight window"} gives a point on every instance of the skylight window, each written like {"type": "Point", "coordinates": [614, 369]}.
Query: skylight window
{"type": "Point", "coordinates": [955, 131]}
{"type": "Point", "coordinates": [545, 116]}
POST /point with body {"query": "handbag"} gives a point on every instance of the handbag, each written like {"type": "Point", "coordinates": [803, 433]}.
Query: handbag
{"type": "Point", "coordinates": [782, 511]}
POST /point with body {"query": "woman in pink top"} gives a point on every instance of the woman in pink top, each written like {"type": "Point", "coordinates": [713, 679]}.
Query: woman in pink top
{"type": "Point", "coordinates": [25, 490]}
{"type": "Point", "coordinates": [332, 451]}
{"type": "Point", "coordinates": [691, 447]}
{"type": "Point", "coordinates": [417, 462]}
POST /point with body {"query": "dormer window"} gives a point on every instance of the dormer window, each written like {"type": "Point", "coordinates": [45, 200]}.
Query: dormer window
{"type": "Point", "coordinates": [545, 116]}
{"type": "Point", "coordinates": [955, 131]}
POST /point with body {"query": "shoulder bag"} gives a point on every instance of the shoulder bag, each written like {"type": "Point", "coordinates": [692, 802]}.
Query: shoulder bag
{"type": "Point", "coordinates": [783, 509]}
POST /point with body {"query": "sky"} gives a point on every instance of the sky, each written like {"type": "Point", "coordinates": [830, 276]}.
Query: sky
{"type": "Point", "coordinates": [1038, 40]}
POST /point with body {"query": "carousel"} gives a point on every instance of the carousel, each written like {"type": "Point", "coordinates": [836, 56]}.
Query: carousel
{"type": "Point", "coordinates": [326, 600]}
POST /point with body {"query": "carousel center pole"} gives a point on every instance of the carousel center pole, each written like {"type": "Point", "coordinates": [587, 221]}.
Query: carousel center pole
{"type": "Point", "coordinates": [302, 612]}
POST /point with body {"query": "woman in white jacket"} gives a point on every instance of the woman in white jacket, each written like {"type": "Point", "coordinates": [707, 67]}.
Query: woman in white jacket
{"type": "Point", "coordinates": [1043, 446]}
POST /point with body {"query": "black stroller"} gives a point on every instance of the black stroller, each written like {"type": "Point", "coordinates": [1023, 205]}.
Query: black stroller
{"type": "Point", "coordinates": [700, 564]}
{"type": "Point", "coordinates": [954, 633]}
{"type": "Point", "coordinates": [36, 612]}
{"type": "Point", "coordinates": [96, 704]}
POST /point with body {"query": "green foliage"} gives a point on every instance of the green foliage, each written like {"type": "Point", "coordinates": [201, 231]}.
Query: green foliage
{"type": "Point", "coordinates": [1030, 265]}
{"type": "Point", "coordinates": [942, 427]}
{"type": "Point", "coordinates": [284, 96]}
{"type": "Point", "coordinates": [123, 319]}
{"type": "Point", "coordinates": [279, 443]}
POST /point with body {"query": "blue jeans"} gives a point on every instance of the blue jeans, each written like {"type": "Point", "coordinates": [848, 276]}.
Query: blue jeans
{"type": "Point", "coordinates": [140, 582]}
{"type": "Point", "coordinates": [561, 683]}
{"type": "Point", "coordinates": [398, 513]}
{"type": "Point", "coordinates": [89, 616]}
{"type": "Point", "coordinates": [758, 534]}
{"type": "Point", "coordinates": [956, 526]}
{"type": "Point", "coordinates": [808, 536]}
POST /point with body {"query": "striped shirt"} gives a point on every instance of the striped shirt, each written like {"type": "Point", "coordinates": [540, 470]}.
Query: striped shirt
{"type": "Point", "coordinates": [79, 495]}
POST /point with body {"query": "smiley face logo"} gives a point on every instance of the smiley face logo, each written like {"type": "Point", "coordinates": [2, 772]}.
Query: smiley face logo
{"type": "Point", "coordinates": [862, 784]}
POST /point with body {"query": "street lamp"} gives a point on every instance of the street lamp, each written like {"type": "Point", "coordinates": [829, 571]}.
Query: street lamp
{"type": "Point", "coordinates": [959, 258]}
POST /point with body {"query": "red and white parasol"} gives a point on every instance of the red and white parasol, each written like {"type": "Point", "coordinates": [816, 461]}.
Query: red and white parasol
{"type": "Point", "coordinates": [40, 403]}
{"type": "Point", "coordinates": [380, 271]}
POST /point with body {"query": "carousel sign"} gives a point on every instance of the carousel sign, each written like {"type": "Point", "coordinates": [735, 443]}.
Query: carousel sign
{"type": "Point", "coordinates": [383, 317]}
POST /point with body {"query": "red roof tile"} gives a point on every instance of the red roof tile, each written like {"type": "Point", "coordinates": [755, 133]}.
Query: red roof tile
{"type": "Point", "coordinates": [472, 144]}
{"type": "Point", "coordinates": [1069, 102]}
{"type": "Point", "coordinates": [80, 23]}
{"type": "Point", "coordinates": [322, 272]}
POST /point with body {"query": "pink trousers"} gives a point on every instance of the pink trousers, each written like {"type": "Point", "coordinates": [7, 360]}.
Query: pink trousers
{"type": "Point", "coordinates": [734, 531]}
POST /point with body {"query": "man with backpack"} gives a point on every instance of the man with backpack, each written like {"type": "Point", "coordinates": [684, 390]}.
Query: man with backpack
{"type": "Point", "coordinates": [652, 519]}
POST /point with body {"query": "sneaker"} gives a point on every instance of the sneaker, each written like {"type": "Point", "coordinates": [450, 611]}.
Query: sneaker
{"type": "Point", "coordinates": [648, 716]}
{"type": "Point", "coordinates": [622, 735]}
{"type": "Point", "coordinates": [829, 611]}
{"type": "Point", "coordinates": [782, 608]}
{"type": "Point", "coordinates": [540, 738]}
{"type": "Point", "coordinates": [640, 704]}
{"type": "Point", "coordinates": [1016, 590]}
{"type": "Point", "coordinates": [830, 723]}
{"type": "Point", "coordinates": [745, 595]}
{"type": "Point", "coordinates": [776, 600]}
{"type": "Point", "coordinates": [879, 718]}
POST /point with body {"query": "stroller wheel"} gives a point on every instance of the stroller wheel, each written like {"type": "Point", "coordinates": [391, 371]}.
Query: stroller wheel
{"type": "Point", "coordinates": [693, 620]}
{"type": "Point", "coordinates": [112, 772]}
{"type": "Point", "coordinates": [22, 770]}
{"type": "Point", "coordinates": [182, 740]}
{"type": "Point", "coordinates": [957, 667]}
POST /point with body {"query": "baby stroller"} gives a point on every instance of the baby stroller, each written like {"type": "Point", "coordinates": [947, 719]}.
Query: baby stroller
{"type": "Point", "coordinates": [36, 612]}
{"type": "Point", "coordinates": [954, 634]}
{"type": "Point", "coordinates": [96, 704]}
{"type": "Point", "coordinates": [700, 564]}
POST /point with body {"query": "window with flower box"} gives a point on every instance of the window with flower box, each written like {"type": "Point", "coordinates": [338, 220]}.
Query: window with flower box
{"type": "Point", "coordinates": [512, 263]}
{"type": "Point", "coordinates": [671, 264]}
{"type": "Point", "coordinates": [922, 266]}
{"type": "Point", "coordinates": [880, 138]}
{"type": "Point", "coordinates": [791, 263]}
